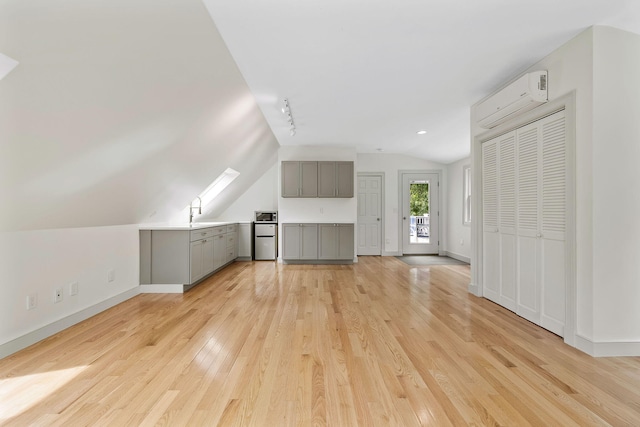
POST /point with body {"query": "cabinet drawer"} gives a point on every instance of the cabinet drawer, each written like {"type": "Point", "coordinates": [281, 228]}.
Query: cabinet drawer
{"type": "Point", "coordinates": [231, 240]}
{"type": "Point", "coordinates": [219, 230]}
{"type": "Point", "coordinates": [231, 228]}
{"type": "Point", "coordinates": [203, 233]}
{"type": "Point", "coordinates": [231, 255]}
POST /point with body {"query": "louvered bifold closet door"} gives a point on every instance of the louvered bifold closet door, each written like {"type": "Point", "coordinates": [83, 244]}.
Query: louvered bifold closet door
{"type": "Point", "coordinates": [528, 214]}
{"type": "Point", "coordinates": [490, 238]}
{"type": "Point", "coordinates": [507, 219]}
{"type": "Point", "coordinates": [553, 222]}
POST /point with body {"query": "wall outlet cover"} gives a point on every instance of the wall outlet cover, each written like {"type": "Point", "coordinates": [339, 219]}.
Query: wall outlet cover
{"type": "Point", "coordinates": [57, 295]}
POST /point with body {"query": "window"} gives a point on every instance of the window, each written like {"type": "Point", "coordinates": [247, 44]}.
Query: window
{"type": "Point", "coordinates": [466, 195]}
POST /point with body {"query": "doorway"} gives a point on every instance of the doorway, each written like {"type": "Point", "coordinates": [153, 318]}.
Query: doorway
{"type": "Point", "coordinates": [370, 197]}
{"type": "Point", "coordinates": [420, 212]}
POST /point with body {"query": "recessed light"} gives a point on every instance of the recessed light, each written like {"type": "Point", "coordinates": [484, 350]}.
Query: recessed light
{"type": "Point", "coordinates": [421, 132]}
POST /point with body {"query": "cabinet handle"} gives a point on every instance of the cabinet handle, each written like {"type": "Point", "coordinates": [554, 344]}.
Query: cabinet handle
{"type": "Point", "coordinates": [377, 219]}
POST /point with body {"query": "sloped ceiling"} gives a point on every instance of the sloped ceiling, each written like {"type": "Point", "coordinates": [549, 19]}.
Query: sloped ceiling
{"type": "Point", "coordinates": [120, 112]}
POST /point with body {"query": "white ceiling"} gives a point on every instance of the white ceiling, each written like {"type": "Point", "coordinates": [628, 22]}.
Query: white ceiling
{"type": "Point", "coordinates": [370, 74]}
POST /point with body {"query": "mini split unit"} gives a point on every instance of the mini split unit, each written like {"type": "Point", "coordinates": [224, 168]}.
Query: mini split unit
{"type": "Point", "coordinates": [522, 95]}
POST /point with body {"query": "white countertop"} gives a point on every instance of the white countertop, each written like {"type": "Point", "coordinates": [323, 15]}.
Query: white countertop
{"type": "Point", "coordinates": [194, 226]}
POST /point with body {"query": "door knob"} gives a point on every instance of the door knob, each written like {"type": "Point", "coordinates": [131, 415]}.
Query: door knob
{"type": "Point", "coordinates": [404, 217]}
{"type": "Point", "coordinates": [377, 219]}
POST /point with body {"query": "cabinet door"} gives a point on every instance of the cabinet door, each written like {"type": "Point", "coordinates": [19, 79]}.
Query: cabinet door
{"type": "Point", "coordinates": [291, 235]}
{"type": "Point", "coordinates": [308, 179]}
{"type": "Point", "coordinates": [244, 240]}
{"type": "Point", "coordinates": [328, 241]}
{"type": "Point", "coordinates": [309, 241]}
{"type": "Point", "coordinates": [326, 179]}
{"type": "Point", "coordinates": [207, 256]}
{"type": "Point", "coordinates": [196, 261]}
{"type": "Point", "coordinates": [344, 179]}
{"type": "Point", "coordinates": [290, 177]}
{"type": "Point", "coordinates": [345, 242]}
{"type": "Point", "coordinates": [219, 251]}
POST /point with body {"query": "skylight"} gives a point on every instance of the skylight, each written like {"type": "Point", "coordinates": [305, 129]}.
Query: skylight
{"type": "Point", "coordinates": [217, 186]}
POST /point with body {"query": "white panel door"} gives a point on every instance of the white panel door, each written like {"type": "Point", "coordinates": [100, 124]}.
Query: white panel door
{"type": "Point", "coordinates": [491, 237]}
{"type": "Point", "coordinates": [507, 219]}
{"type": "Point", "coordinates": [369, 215]}
{"type": "Point", "coordinates": [524, 183]}
{"type": "Point", "coordinates": [553, 222]}
{"type": "Point", "coordinates": [528, 280]}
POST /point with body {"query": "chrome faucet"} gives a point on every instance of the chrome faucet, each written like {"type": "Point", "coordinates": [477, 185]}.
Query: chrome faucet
{"type": "Point", "coordinates": [191, 208]}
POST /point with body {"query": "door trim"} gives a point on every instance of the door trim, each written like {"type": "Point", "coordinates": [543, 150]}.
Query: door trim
{"type": "Point", "coordinates": [441, 189]}
{"type": "Point", "coordinates": [568, 103]}
{"type": "Point", "coordinates": [382, 215]}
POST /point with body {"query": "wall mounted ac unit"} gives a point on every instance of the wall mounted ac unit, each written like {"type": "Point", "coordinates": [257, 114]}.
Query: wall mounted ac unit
{"type": "Point", "coordinates": [524, 94]}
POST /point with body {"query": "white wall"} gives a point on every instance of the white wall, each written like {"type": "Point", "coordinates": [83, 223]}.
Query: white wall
{"type": "Point", "coordinates": [390, 164]}
{"type": "Point", "coordinates": [616, 186]}
{"type": "Point", "coordinates": [458, 235]}
{"type": "Point", "coordinates": [261, 196]}
{"type": "Point", "coordinates": [41, 261]}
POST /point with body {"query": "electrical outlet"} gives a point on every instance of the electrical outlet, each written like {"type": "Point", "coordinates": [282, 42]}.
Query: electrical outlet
{"type": "Point", "coordinates": [32, 301]}
{"type": "Point", "coordinates": [73, 288]}
{"type": "Point", "coordinates": [57, 295]}
{"type": "Point", "coordinates": [111, 275]}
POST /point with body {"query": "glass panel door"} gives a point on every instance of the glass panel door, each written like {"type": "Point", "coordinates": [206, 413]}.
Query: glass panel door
{"type": "Point", "coordinates": [420, 213]}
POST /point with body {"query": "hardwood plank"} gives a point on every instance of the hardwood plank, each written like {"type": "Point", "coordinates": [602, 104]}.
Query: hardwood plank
{"type": "Point", "coordinates": [374, 343]}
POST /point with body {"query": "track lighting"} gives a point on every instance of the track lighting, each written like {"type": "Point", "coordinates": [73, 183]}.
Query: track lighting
{"type": "Point", "coordinates": [286, 110]}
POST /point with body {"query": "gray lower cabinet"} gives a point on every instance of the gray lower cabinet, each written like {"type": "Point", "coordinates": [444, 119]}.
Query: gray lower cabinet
{"type": "Point", "coordinates": [185, 256]}
{"type": "Point", "coordinates": [219, 251]}
{"type": "Point", "coordinates": [245, 241]}
{"type": "Point", "coordinates": [300, 241]}
{"type": "Point", "coordinates": [335, 241]}
{"type": "Point", "coordinates": [313, 242]}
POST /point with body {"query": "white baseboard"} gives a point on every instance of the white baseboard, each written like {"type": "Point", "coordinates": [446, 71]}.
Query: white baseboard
{"type": "Point", "coordinates": [33, 337]}
{"type": "Point", "coordinates": [161, 289]}
{"type": "Point", "coordinates": [458, 257]}
{"type": "Point", "coordinates": [607, 349]}
{"type": "Point", "coordinates": [385, 253]}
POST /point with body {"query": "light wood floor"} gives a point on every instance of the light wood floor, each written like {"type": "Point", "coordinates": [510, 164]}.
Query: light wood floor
{"type": "Point", "coordinates": [377, 343]}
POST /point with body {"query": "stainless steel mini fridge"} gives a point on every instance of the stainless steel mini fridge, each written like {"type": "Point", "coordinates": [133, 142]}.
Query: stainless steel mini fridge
{"type": "Point", "coordinates": [265, 243]}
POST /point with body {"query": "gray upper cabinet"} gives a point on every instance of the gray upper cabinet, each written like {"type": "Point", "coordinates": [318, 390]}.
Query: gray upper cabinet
{"type": "Point", "coordinates": [344, 179]}
{"type": "Point", "coordinates": [317, 179]}
{"type": "Point", "coordinates": [299, 179]}
{"type": "Point", "coordinates": [326, 179]}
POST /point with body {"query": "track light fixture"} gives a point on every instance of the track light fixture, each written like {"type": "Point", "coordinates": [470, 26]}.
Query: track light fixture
{"type": "Point", "coordinates": [286, 110]}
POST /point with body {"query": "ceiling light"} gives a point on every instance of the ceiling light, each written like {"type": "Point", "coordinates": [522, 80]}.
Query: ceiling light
{"type": "Point", "coordinates": [421, 132]}
{"type": "Point", "coordinates": [286, 110]}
